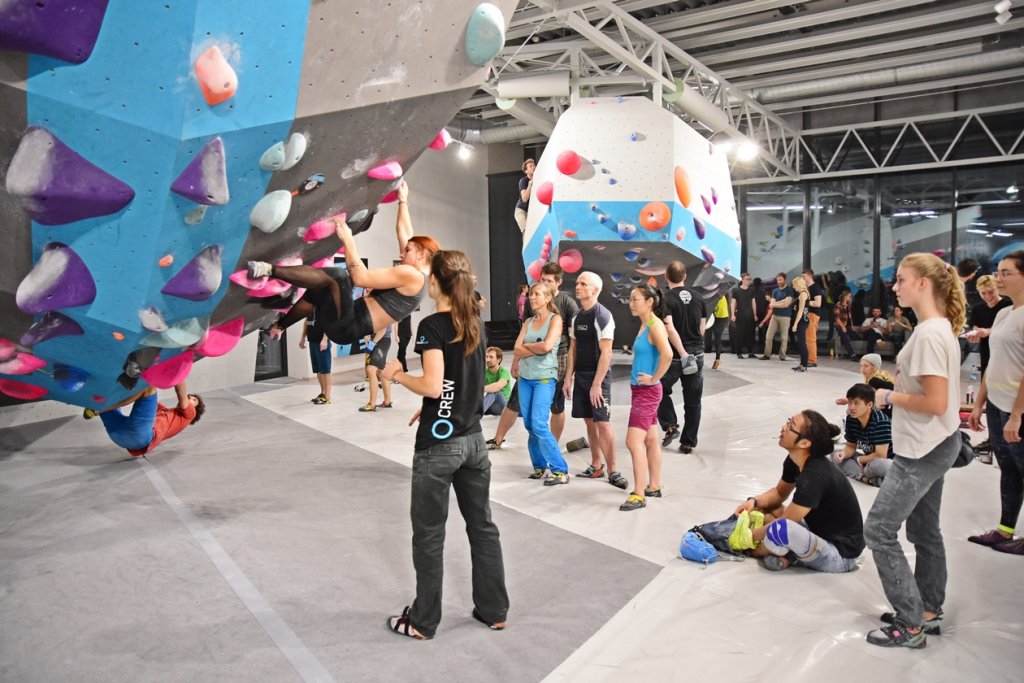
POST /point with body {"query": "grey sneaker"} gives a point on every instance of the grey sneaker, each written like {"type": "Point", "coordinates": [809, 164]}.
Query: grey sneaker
{"type": "Point", "coordinates": [931, 627]}
{"type": "Point", "coordinates": [493, 445]}
{"type": "Point", "coordinates": [617, 480]}
{"type": "Point", "coordinates": [258, 269]}
{"type": "Point", "coordinates": [538, 474]}
{"type": "Point", "coordinates": [557, 478]}
{"type": "Point", "coordinates": [897, 635]}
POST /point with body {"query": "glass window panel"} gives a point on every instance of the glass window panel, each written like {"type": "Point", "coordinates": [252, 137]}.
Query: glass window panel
{"type": "Point", "coordinates": [990, 213]}
{"type": "Point", "coordinates": [842, 224]}
{"type": "Point", "coordinates": [775, 230]}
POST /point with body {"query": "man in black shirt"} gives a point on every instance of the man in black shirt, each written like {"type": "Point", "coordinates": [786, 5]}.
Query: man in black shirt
{"type": "Point", "coordinates": [525, 188]}
{"type": "Point", "coordinates": [822, 529]}
{"type": "Point", "coordinates": [687, 316]}
{"type": "Point", "coordinates": [815, 298]}
{"type": "Point", "coordinates": [744, 316]}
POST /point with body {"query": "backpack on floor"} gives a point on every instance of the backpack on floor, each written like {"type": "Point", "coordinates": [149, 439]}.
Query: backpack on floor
{"type": "Point", "coordinates": [717, 534]}
{"type": "Point", "coordinates": [693, 547]}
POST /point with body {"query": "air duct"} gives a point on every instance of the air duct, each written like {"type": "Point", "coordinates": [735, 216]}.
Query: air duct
{"type": "Point", "coordinates": [477, 133]}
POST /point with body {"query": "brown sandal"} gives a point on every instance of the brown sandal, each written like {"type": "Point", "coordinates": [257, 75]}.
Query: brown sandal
{"type": "Point", "coordinates": [496, 626]}
{"type": "Point", "coordinates": [403, 627]}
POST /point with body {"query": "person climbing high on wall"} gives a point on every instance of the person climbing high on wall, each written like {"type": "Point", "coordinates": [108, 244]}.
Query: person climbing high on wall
{"type": "Point", "coordinates": [149, 423]}
{"type": "Point", "coordinates": [397, 291]}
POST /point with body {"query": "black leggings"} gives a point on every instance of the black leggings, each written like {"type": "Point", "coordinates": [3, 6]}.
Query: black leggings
{"type": "Point", "coordinates": [801, 340]}
{"type": "Point", "coordinates": [713, 337]}
{"type": "Point", "coordinates": [329, 292]}
{"type": "Point", "coordinates": [1011, 468]}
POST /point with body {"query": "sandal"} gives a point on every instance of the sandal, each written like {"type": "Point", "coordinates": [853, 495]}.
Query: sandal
{"type": "Point", "coordinates": [496, 626]}
{"type": "Point", "coordinates": [403, 627]}
{"type": "Point", "coordinates": [591, 472]}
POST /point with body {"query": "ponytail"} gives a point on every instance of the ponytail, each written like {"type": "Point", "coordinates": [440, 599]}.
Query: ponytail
{"type": "Point", "coordinates": [946, 285]}
{"type": "Point", "coordinates": [454, 277]}
{"type": "Point", "coordinates": [659, 307]}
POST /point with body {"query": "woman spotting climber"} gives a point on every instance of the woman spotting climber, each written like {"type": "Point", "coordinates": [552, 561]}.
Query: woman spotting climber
{"type": "Point", "coordinates": [397, 291]}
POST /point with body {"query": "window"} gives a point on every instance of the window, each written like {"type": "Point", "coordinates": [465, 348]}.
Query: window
{"type": "Point", "coordinates": [775, 230]}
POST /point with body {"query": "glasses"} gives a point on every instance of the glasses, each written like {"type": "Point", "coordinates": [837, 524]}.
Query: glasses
{"type": "Point", "coordinates": [789, 426]}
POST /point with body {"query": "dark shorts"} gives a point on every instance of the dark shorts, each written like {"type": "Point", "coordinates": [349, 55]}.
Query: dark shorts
{"type": "Point", "coordinates": [643, 410]}
{"type": "Point", "coordinates": [513, 398]}
{"type": "Point", "coordinates": [379, 355]}
{"type": "Point", "coordinates": [321, 360]}
{"type": "Point", "coordinates": [581, 405]}
{"type": "Point", "coordinates": [558, 402]}
{"type": "Point", "coordinates": [345, 326]}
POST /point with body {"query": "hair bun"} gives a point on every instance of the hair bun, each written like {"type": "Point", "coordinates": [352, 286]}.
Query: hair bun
{"type": "Point", "coordinates": [834, 430]}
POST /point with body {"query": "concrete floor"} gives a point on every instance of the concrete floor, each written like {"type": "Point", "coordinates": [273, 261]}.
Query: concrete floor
{"type": "Point", "coordinates": [270, 541]}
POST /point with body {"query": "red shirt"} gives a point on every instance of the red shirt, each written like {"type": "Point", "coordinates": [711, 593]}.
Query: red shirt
{"type": "Point", "coordinates": [169, 422]}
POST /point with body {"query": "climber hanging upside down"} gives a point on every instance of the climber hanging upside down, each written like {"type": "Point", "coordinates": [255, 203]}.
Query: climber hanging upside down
{"type": "Point", "coordinates": [150, 422]}
{"type": "Point", "coordinates": [397, 291]}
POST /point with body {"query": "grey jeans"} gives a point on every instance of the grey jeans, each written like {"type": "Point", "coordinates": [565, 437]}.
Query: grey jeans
{"type": "Point", "coordinates": [460, 463]}
{"type": "Point", "coordinates": [912, 492]}
{"type": "Point", "coordinates": [812, 551]}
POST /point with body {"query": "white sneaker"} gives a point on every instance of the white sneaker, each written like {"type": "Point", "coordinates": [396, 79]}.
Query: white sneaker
{"type": "Point", "coordinates": [258, 269]}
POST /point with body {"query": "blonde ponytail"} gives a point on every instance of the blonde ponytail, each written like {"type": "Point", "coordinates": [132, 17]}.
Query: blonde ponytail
{"type": "Point", "coordinates": [946, 286]}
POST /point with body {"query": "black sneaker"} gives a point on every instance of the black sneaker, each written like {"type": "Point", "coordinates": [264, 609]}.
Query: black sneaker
{"type": "Point", "coordinates": [670, 436]}
{"type": "Point", "coordinates": [686, 448]}
{"type": "Point", "coordinates": [931, 627]}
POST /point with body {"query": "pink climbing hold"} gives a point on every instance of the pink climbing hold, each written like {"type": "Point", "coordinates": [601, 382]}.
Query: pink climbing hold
{"type": "Point", "coordinates": [21, 364]}
{"type": "Point", "coordinates": [273, 287]}
{"type": "Point", "coordinates": [290, 261]}
{"type": "Point", "coordinates": [571, 260]}
{"type": "Point", "coordinates": [534, 270]}
{"type": "Point", "coordinates": [221, 339]}
{"type": "Point", "coordinates": [242, 279]}
{"type": "Point", "coordinates": [571, 234]}
{"type": "Point", "coordinates": [442, 140]}
{"type": "Point", "coordinates": [217, 79]}
{"type": "Point", "coordinates": [389, 197]}
{"type": "Point", "coordinates": [546, 193]}
{"type": "Point", "coordinates": [714, 196]}
{"type": "Point", "coordinates": [7, 349]}
{"type": "Point", "coordinates": [680, 234]}
{"type": "Point", "coordinates": [21, 390]}
{"type": "Point", "coordinates": [323, 228]}
{"type": "Point", "coordinates": [169, 373]}
{"type": "Point", "coordinates": [568, 162]}
{"type": "Point", "coordinates": [547, 239]}
{"type": "Point", "coordinates": [99, 399]}
{"type": "Point", "coordinates": [323, 263]}
{"type": "Point", "coordinates": [390, 170]}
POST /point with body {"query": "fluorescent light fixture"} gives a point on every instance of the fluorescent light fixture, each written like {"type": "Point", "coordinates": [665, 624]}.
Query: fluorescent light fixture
{"type": "Point", "coordinates": [747, 151]}
{"type": "Point", "coordinates": [1002, 6]}
{"type": "Point", "coordinates": [927, 213]}
{"type": "Point", "coordinates": [1012, 189]}
{"type": "Point", "coordinates": [1014, 225]}
{"type": "Point", "coordinates": [1003, 18]}
{"type": "Point", "coordinates": [781, 207]}
{"type": "Point", "coordinates": [996, 233]}
{"type": "Point", "coordinates": [725, 146]}
{"type": "Point", "coordinates": [977, 232]}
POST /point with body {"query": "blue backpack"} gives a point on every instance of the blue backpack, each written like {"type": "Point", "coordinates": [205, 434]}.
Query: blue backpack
{"type": "Point", "coordinates": [693, 547]}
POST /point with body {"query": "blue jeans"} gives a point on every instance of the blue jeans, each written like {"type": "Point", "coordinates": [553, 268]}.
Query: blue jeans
{"type": "Point", "coordinates": [812, 551]}
{"type": "Point", "coordinates": [460, 463]}
{"type": "Point", "coordinates": [494, 403]}
{"type": "Point", "coordinates": [135, 430]}
{"type": "Point", "coordinates": [535, 396]}
{"type": "Point", "coordinates": [1010, 457]}
{"type": "Point", "coordinates": [912, 492]}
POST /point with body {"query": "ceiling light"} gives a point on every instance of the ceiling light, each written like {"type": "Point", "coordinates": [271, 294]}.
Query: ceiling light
{"type": "Point", "coordinates": [464, 151]}
{"type": "Point", "coordinates": [1012, 189]}
{"type": "Point", "coordinates": [977, 232]}
{"type": "Point", "coordinates": [996, 233]}
{"type": "Point", "coordinates": [1003, 18]}
{"type": "Point", "coordinates": [1002, 6]}
{"type": "Point", "coordinates": [747, 151]}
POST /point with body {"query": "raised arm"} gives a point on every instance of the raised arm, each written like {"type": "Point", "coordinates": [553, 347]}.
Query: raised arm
{"type": "Point", "coordinates": [378, 278]}
{"type": "Point", "coordinates": [403, 224]}
{"type": "Point", "coordinates": [182, 394]}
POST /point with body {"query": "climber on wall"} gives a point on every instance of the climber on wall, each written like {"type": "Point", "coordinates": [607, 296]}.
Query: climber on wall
{"type": "Point", "coordinates": [397, 291]}
{"type": "Point", "coordinates": [149, 423]}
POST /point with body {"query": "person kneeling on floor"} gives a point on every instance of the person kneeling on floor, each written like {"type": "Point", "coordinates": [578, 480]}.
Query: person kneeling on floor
{"type": "Point", "coordinates": [868, 438]}
{"type": "Point", "coordinates": [822, 529]}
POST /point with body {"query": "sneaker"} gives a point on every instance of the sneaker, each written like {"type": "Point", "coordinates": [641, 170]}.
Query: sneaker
{"type": "Point", "coordinates": [740, 356]}
{"type": "Point", "coordinates": [634, 502]}
{"type": "Point", "coordinates": [591, 472]}
{"type": "Point", "coordinates": [931, 627]}
{"type": "Point", "coordinates": [686, 448]}
{"type": "Point", "coordinates": [765, 357]}
{"type": "Point", "coordinates": [989, 538]}
{"type": "Point", "coordinates": [652, 493]}
{"type": "Point", "coordinates": [359, 387]}
{"type": "Point", "coordinates": [322, 400]}
{"type": "Point", "coordinates": [89, 413]}
{"type": "Point", "coordinates": [897, 635]}
{"type": "Point", "coordinates": [557, 478]}
{"type": "Point", "coordinates": [538, 474]}
{"type": "Point", "coordinates": [812, 365]}
{"type": "Point", "coordinates": [258, 269]}
{"type": "Point", "coordinates": [670, 436]}
{"type": "Point", "coordinates": [753, 355]}
{"type": "Point", "coordinates": [617, 480]}
{"type": "Point", "coordinates": [493, 445]}
{"type": "Point", "coordinates": [800, 368]}
{"type": "Point", "coordinates": [775, 563]}
{"type": "Point", "coordinates": [782, 358]}
{"type": "Point", "coordinates": [718, 361]}
{"type": "Point", "coordinates": [317, 398]}
{"type": "Point", "coordinates": [386, 405]}
{"type": "Point", "coordinates": [368, 408]}
{"type": "Point", "coordinates": [1013, 547]}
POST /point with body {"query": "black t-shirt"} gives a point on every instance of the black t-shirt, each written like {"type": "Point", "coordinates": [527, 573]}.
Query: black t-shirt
{"type": "Point", "coordinates": [687, 308]}
{"type": "Point", "coordinates": [588, 329]}
{"type": "Point", "coordinates": [314, 332]}
{"type": "Point", "coordinates": [835, 513]}
{"type": "Point", "coordinates": [520, 204]}
{"type": "Point", "coordinates": [743, 297]}
{"type": "Point", "coordinates": [815, 290]}
{"type": "Point", "coordinates": [458, 410]}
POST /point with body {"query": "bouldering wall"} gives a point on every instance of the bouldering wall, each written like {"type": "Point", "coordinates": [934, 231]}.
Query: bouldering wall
{"type": "Point", "coordinates": [150, 149]}
{"type": "Point", "coordinates": [624, 188]}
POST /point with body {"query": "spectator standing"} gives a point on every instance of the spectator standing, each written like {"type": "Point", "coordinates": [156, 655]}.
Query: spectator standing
{"type": "Point", "coordinates": [782, 300]}
{"type": "Point", "coordinates": [744, 315]}
{"type": "Point", "coordinates": [685, 322]}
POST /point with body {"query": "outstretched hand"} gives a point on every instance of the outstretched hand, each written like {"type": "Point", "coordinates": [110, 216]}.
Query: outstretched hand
{"type": "Point", "coordinates": [341, 228]}
{"type": "Point", "coordinates": [402, 191]}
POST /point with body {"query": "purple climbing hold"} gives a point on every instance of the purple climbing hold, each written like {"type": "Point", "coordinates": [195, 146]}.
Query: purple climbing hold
{"type": "Point", "coordinates": [51, 325]}
{"type": "Point", "coordinates": [69, 378]}
{"type": "Point", "coordinates": [698, 226]}
{"type": "Point", "coordinates": [65, 30]}
{"type": "Point", "coordinates": [707, 204]}
{"type": "Point", "coordinates": [205, 179]}
{"type": "Point", "coordinates": [199, 279]}
{"type": "Point", "coordinates": [708, 255]}
{"type": "Point", "coordinates": [56, 185]}
{"type": "Point", "coordinates": [59, 279]}
{"type": "Point", "coordinates": [714, 196]}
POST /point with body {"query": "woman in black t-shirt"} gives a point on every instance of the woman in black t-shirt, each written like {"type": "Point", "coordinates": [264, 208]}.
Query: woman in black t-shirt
{"type": "Point", "coordinates": [822, 529]}
{"type": "Point", "coordinates": [983, 314]}
{"type": "Point", "coordinates": [450, 452]}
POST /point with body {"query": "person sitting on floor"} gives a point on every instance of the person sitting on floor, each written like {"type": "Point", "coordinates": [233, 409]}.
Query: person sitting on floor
{"type": "Point", "coordinates": [868, 438]}
{"type": "Point", "coordinates": [875, 377]}
{"type": "Point", "coordinates": [822, 529]}
{"type": "Point", "coordinates": [150, 422]}
{"type": "Point", "coordinates": [497, 383]}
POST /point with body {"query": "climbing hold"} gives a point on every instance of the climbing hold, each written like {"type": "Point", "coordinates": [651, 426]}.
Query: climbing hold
{"type": "Point", "coordinates": [51, 325]}
{"type": "Point", "coordinates": [627, 231]}
{"type": "Point", "coordinates": [179, 335]}
{"type": "Point", "coordinates": [271, 211]}
{"type": "Point", "coordinates": [643, 261]}
{"type": "Point", "coordinates": [570, 260]}
{"type": "Point", "coordinates": [714, 196]}
{"type": "Point", "coordinates": [221, 339]}
{"type": "Point", "coordinates": [273, 158]}
{"type": "Point", "coordinates": [273, 287]}
{"type": "Point", "coordinates": [324, 228]}
{"type": "Point", "coordinates": [196, 215]}
{"type": "Point", "coordinates": [294, 150]}
{"type": "Point", "coordinates": [99, 399]}
{"type": "Point", "coordinates": [389, 170]}
{"type": "Point", "coordinates": [56, 185]}
{"type": "Point", "coordinates": [389, 197]}
{"type": "Point", "coordinates": [7, 349]}
{"type": "Point", "coordinates": [59, 279]}
{"type": "Point", "coordinates": [571, 234]}
{"type": "Point", "coordinates": [205, 179]}
{"type": "Point", "coordinates": [545, 193]}
{"type": "Point", "coordinates": [69, 378]}
{"type": "Point", "coordinates": [680, 234]}
{"type": "Point", "coordinates": [655, 216]}
{"type": "Point", "coordinates": [636, 279]}
{"type": "Point", "coordinates": [534, 270]}
{"type": "Point", "coordinates": [21, 390]}
{"type": "Point", "coordinates": [699, 228]}
{"type": "Point", "coordinates": [682, 181]}
{"type": "Point", "coordinates": [547, 239]}
{"type": "Point", "coordinates": [613, 181]}
{"type": "Point", "coordinates": [199, 279]}
{"type": "Point", "coordinates": [568, 162]}
{"type": "Point", "coordinates": [117, 335]}
{"type": "Point", "coordinates": [241, 278]}
{"type": "Point", "coordinates": [485, 34]}
{"type": "Point", "coordinates": [323, 263]}
{"type": "Point", "coordinates": [708, 255]}
{"type": "Point", "coordinates": [21, 364]}
{"type": "Point", "coordinates": [616, 277]}
{"type": "Point", "coordinates": [360, 215]}
{"type": "Point", "coordinates": [653, 282]}
{"type": "Point", "coordinates": [442, 140]}
{"type": "Point", "coordinates": [53, 29]}
{"type": "Point", "coordinates": [169, 373]}
{"type": "Point", "coordinates": [632, 255]}
{"type": "Point", "coordinates": [633, 137]}
{"type": "Point", "coordinates": [217, 79]}
{"type": "Point", "coordinates": [707, 204]}
{"type": "Point", "coordinates": [152, 320]}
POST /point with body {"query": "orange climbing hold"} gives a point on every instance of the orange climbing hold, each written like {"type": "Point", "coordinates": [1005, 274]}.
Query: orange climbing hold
{"type": "Point", "coordinates": [217, 79]}
{"type": "Point", "coordinates": [655, 216]}
{"type": "Point", "coordinates": [166, 261]}
{"type": "Point", "coordinates": [683, 187]}
{"type": "Point", "coordinates": [117, 335]}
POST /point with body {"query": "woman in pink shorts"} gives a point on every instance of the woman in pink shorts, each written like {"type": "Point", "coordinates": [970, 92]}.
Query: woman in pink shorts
{"type": "Point", "coordinates": [652, 356]}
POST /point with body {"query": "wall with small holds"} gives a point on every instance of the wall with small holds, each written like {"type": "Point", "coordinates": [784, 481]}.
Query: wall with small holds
{"type": "Point", "coordinates": [623, 188]}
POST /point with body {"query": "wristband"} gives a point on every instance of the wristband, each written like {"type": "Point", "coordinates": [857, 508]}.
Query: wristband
{"type": "Point", "coordinates": [753, 498]}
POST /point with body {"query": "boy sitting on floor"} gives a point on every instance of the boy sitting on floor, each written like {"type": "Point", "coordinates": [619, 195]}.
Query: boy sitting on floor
{"type": "Point", "coordinates": [868, 438]}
